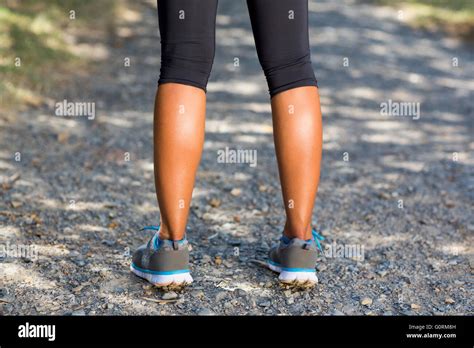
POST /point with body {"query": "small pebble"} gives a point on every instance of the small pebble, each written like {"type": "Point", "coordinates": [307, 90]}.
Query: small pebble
{"type": "Point", "coordinates": [197, 293]}
{"type": "Point", "coordinates": [321, 267]}
{"type": "Point", "coordinates": [171, 295]}
{"type": "Point", "coordinates": [16, 204]}
{"type": "Point", "coordinates": [205, 311]}
{"type": "Point", "coordinates": [236, 192]}
{"type": "Point", "coordinates": [214, 202]}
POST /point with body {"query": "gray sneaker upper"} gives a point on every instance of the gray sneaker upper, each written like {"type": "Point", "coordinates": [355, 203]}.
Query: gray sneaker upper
{"type": "Point", "coordinates": [296, 253]}
{"type": "Point", "coordinates": [167, 256]}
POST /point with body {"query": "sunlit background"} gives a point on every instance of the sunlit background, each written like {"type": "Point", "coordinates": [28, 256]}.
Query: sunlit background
{"type": "Point", "coordinates": [80, 189]}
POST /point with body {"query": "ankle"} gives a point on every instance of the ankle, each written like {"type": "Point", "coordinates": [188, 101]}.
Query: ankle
{"type": "Point", "coordinates": [165, 233]}
{"type": "Point", "coordinates": [298, 232]}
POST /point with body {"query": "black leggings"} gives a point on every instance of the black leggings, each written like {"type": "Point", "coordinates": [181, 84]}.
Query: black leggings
{"type": "Point", "coordinates": [280, 29]}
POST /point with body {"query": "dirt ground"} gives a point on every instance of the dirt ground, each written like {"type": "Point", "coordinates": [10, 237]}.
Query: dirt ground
{"type": "Point", "coordinates": [75, 192]}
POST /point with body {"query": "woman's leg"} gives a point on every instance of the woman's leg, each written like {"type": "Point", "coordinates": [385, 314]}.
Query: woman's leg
{"type": "Point", "coordinates": [281, 35]}
{"type": "Point", "coordinates": [298, 144]}
{"type": "Point", "coordinates": [178, 140]}
{"type": "Point", "coordinates": [187, 29]}
{"type": "Point", "coordinates": [187, 51]}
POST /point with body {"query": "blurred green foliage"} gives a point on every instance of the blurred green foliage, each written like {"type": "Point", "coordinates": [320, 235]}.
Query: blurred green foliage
{"type": "Point", "coordinates": [454, 16]}
{"type": "Point", "coordinates": [35, 43]}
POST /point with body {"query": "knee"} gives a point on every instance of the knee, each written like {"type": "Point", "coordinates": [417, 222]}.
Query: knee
{"type": "Point", "coordinates": [286, 73]}
{"type": "Point", "coordinates": [188, 63]}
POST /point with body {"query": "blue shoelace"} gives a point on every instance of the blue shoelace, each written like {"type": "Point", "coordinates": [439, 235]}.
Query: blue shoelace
{"type": "Point", "coordinates": [155, 238]}
{"type": "Point", "coordinates": [151, 227]}
{"type": "Point", "coordinates": [317, 238]}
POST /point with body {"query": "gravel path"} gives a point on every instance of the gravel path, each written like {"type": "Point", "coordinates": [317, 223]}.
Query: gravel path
{"type": "Point", "coordinates": [397, 189]}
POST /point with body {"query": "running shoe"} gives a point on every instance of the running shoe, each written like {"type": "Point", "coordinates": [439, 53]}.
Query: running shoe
{"type": "Point", "coordinates": [162, 262]}
{"type": "Point", "coordinates": [295, 259]}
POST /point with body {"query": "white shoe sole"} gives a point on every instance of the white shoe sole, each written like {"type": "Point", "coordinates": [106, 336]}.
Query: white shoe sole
{"type": "Point", "coordinates": [296, 278]}
{"type": "Point", "coordinates": [160, 280]}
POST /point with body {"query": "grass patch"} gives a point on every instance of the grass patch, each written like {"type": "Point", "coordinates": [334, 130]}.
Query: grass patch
{"type": "Point", "coordinates": [453, 16]}
{"type": "Point", "coordinates": [36, 45]}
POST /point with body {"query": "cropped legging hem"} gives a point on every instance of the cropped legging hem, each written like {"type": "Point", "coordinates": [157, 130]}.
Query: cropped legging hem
{"type": "Point", "coordinates": [182, 82]}
{"type": "Point", "coordinates": [296, 84]}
